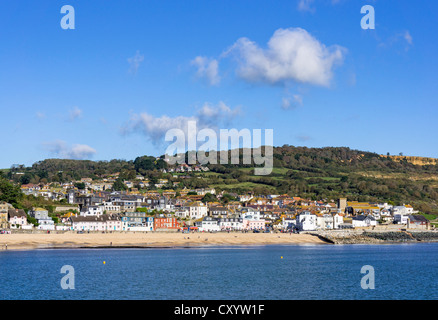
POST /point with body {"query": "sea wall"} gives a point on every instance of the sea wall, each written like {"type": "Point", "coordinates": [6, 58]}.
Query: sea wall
{"type": "Point", "coordinates": [375, 237]}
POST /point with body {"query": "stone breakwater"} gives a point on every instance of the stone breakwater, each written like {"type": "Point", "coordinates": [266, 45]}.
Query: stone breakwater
{"type": "Point", "coordinates": [375, 237]}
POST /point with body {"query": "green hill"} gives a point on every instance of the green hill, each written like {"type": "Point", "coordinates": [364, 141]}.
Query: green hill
{"type": "Point", "coordinates": [316, 173]}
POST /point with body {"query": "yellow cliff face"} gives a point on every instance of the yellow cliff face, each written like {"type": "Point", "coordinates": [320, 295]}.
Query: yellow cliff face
{"type": "Point", "coordinates": [419, 161]}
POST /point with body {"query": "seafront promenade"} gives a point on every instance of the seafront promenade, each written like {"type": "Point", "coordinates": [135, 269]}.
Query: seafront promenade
{"type": "Point", "coordinates": [29, 241]}
{"type": "Point", "coordinates": [123, 239]}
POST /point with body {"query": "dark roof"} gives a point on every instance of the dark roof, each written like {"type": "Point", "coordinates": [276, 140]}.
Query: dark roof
{"type": "Point", "coordinates": [16, 213]}
{"type": "Point", "coordinates": [417, 218]}
{"type": "Point", "coordinates": [363, 217]}
{"type": "Point", "coordinates": [218, 209]}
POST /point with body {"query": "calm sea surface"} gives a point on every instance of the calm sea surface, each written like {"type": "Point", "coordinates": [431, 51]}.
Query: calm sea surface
{"type": "Point", "coordinates": [402, 271]}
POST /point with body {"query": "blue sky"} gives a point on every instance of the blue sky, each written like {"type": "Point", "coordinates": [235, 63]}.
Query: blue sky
{"type": "Point", "coordinates": [131, 70]}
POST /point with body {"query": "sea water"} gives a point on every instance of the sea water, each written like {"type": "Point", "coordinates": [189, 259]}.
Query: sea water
{"type": "Point", "coordinates": [272, 272]}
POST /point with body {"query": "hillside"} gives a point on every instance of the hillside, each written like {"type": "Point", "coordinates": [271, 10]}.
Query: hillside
{"type": "Point", "coordinates": [316, 173]}
{"type": "Point", "coordinates": [419, 161]}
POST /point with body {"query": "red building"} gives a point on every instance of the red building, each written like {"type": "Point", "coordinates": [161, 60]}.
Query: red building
{"type": "Point", "coordinates": [165, 223]}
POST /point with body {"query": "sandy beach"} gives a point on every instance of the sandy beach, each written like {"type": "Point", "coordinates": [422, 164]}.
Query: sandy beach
{"type": "Point", "coordinates": [151, 239]}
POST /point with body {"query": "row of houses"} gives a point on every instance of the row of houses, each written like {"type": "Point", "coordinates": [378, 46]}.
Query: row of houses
{"type": "Point", "coordinates": [248, 219]}
{"type": "Point", "coordinates": [303, 221]}
{"type": "Point", "coordinates": [11, 217]}
{"type": "Point", "coordinates": [129, 221]}
{"type": "Point", "coordinates": [306, 221]}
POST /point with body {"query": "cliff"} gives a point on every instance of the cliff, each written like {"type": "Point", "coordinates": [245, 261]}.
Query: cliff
{"type": "Point", "coordinates": [419, 161]}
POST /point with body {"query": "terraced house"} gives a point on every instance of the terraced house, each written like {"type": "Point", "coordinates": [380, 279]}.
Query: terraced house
{"type": "Point", "coordinates": [106, 222]}
{"type": "Point", "coordinates": [137, 221]}
{"type": "Point", "coordinates": [165, 222]}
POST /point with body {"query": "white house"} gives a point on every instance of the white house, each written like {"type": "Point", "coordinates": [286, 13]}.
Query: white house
{"type": "Point", "coordinates": [405, 210]}
{"type": "Point", "coordinates": [329, 221]}
{"type": "Point", "coordinates": [324, 222]}
{"type": "Point", "coordinates": [244, 197]}
{"type": "Point", "coordinates": [44, 221]}
{"type": "Point", "coordinates": [42, 216]}
{"type": "Point", "coordinates": [231, 224]}
{"type": "Point", "coordinates": [288, 223]}
{"type": "Point", "coordinates": [401, 213]}
{"type": "Point", "coordinates": [376, 214]}
{"type": "Point", "coordinates": [204, 191]}
{"type": "Point", "coordinates": [306, 221]}
{"type": "Point", "coordinates": [250, 213]}
{"type": "Point", "coordinates": [337, 220]}
{"type": "Point", "coordinates": [197, 210]}
{"type": "Point", "coordinates": [39, 213]}
{"type": "Point", "coordinates": [251, 219]}
{"type": "Point", "coordinates": [400, 218]}
{"type": "Point", "coordinates": [137, 221]}
{"type": "Point", "coordinates": [182, 212]}
{"type": "Point", "coordinates": [218, 211]}
{"type": "Point", "coordinates": [209, 224]}
{"type": "Point", "coordinates": [17, 217]}
{"type": "Point", "coordinates": [363, 221]}
{"type": "Point", "coordinates": [385, 215]}
{"type": "Point", "coordinates": [110, 207]}
{"type": "Point", "coordinates": [46, 224]}
{"type": "Point", "coordinates": [92, 211]}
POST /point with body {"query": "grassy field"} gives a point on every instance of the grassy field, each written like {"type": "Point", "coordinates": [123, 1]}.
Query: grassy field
{"type": "Point", "coordinates": [246, 185]}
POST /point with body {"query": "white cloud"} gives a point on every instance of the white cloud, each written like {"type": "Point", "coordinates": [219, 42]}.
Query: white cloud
{"type": "Point", "coordinates": [75, 113]}
{"type": "Point", "coordinates": [221, 113]}
{"type": "Point", "coordinates": [308, 5]}
{"type": "Point", "coordinates": [135, 61]}
{"type": "Point", "coordinates": [291, 55]}
{"type": "Point", "coordinates": [398, 40]}
{"type": "Point", "coordinates": [155, 128]}
{"type": "Point", "coordinates": [207, 69]}
{"type": "Point", "coordinates": [292, 102]}
{"type": "Point", "coordinates": [60, 149]}
{"type": "Point", "coordinates": [305, 5]}
{"type": "Point", "coordinates": [40, 115]}
{"type": "Point", "coordinates": [407, 36]}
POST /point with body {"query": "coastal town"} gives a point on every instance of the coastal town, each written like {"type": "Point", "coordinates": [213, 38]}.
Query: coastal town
{"type": "Point", "coordinates": [95, 207]}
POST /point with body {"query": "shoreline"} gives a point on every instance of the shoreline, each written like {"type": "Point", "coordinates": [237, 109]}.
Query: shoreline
{"type": "Point", "coordinates": [173, 240]}
{"type": "Point", "coordinates": [22, 241]}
